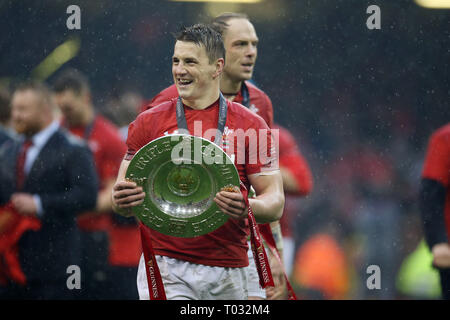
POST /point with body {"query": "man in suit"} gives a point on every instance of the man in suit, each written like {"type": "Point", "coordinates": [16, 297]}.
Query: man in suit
{"type": "Point", "coordinates": [108, 266]}
{"type": "Point", "coordinates": [47, 177]}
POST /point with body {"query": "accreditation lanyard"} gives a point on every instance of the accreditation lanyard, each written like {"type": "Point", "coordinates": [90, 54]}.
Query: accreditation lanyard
{"type": "Point", "coordinates": [265, 229]}
{"type": "Point", "coordinates": [245, 95]}
{"type": "Point", "coordinates": [223, 108]}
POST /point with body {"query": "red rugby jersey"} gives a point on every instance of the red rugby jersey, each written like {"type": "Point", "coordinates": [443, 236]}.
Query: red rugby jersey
{"type": "Point", "coordinates": [106, 145]}
{"type": "Point", "coordinates": [437, 165]}
{"type": "Point", "coordinates": [108, 150]}
{"type": "Point", "coordinates": [260, 103]}
{"type": "Point", "coordinates": [226, 246]}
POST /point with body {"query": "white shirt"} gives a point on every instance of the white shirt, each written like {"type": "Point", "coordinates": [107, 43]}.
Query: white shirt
{"type": "Point", "coordinates": [39, 140]}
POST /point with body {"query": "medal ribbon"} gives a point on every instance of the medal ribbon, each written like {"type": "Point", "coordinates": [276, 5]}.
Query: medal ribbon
{"type": "Point", "coordinates": [265, 228]}
{"type": "Point", "coordinates": [245, 95]}
{"type": "Point", "coordinates": [259, 253]}
{"type": "Point", "coordinates": [182, 124]}
{"type": "Point", "coordinates": [154, 280]}
{"type": "Point", "coordinates": [266, 232]}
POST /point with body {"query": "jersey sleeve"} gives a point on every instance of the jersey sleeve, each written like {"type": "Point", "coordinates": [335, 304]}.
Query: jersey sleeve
{"type": "Point", "coordinates": [262, 158]}
{"type": "Point", "coordinates": [437, 160]}
{"type": "Point", "coordinates": [291, 159]}
{"type": "Point", "coordinates": [167, 94]}
{"type": "Point", "coordinates": [136, 137]}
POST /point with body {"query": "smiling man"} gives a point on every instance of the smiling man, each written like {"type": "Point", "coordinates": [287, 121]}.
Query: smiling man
{"type": "Point", "coordinates": [241, 46]}
{"type": "Point", "coordinates": [47, 176]}
{"type": "Point", "coordinates": [210, 266]}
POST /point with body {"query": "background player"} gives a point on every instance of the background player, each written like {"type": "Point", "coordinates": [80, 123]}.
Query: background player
{"type": "Point", "coordinates": [435, 203]}
{"type": "Point", "coordinates": [197, 64]}
{"type": "Point", "coordinates": [240, 41]}
{"type": "Point", "coordinates": [108, 266]}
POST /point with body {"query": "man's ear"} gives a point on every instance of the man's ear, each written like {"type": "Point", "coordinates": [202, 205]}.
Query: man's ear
{"type": "Point", "coordinates": [219, 67]}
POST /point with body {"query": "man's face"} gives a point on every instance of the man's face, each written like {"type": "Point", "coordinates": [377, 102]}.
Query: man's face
{"type": "Point", "coordinates": [240, 42]}
{"type": "Point", "coordinates": [27, 112]}
{"type": "Point", "coordinates": [192, 73]}
{"type": "Point", "coordinates": [72, 105]}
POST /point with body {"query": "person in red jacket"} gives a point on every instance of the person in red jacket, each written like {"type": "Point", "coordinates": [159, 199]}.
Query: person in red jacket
{"type": "Point", "coordinates": [210, 266]}
{"type": "Point", "coordinates": [240, 41]}
{"type": "Point", "coordinates": [107, 265]}
{"type": "Point", "coordinates": [435, 203]}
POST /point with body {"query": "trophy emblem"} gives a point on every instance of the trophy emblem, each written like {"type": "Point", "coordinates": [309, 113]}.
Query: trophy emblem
{"type": "Point", "coordinates": [181, 175]}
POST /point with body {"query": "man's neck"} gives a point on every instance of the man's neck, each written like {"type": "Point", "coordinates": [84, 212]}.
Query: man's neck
{"type": "Point", "coordinates": [88, 117]}
{"type": "Point", "coordinates": [44, 125]}
{"type": "Point", "coordinates": [229, 86]}
{"type": "Point", "coordinates": [203, 102]}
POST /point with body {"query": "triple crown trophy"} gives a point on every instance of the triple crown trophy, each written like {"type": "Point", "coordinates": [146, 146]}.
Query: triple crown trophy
{"type": "Point", "coordinates": [181, 175]}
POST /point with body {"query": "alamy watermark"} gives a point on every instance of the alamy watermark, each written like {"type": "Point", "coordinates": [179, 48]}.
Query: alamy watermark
{"type": "Point", "coordinates": [74, 279]}
{"type": "Point", "coordinates": [74, 20]}
{"type": "Point", "coordinates": [251, 146]}
{"type": "Point", "coordinates": [374, 280]}
{"type": "Point", "coordinates": [374, 20]}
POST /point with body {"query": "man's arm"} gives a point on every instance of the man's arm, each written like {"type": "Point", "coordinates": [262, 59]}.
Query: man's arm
{"type": "Point", "coordinates": [268, 204]}
{"type": "Point", "coordinates": [104, 202]}
{"type": "Point", "coordinates": [125, 194]}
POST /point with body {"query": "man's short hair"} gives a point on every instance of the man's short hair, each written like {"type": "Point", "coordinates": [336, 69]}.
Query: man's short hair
{"type": "Point", "coordinates": [71, 79]}
{"type": "Point", "coordinates": [40, 88]}
{"type": "Point", "coordinates": [205, 36]}
{"type": "Point", "coordinates": [220, 23]}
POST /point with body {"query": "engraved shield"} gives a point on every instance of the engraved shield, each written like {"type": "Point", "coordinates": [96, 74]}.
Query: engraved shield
{"type": "Point", "coordinates": [181, 175]}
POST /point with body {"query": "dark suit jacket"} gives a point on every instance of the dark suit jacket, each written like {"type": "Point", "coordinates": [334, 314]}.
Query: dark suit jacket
{"type": "Point", "coordinates": [64, 177]}
{"type": "Point", "coordinates": [5, 136]}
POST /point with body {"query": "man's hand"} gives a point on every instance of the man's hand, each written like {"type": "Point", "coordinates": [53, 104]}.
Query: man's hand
{"type": "Point", "coordinates": [125, 195]}
{"type": "Point", "coordinates": [24, 203]}
{"type": "Point", "coordinates": [279, 292]}
{"type": "Point", "coordinates": [441, 255]}
{"type": "Point", "coordinates": [232, 203]}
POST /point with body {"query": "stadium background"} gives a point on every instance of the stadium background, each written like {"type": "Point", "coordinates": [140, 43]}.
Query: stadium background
{"type": "Point", "coordinates": [361, 103]}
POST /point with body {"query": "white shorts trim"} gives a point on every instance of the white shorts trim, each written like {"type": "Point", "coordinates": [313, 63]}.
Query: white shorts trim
{"type": "Point", "coordinates": [184, 280]}
{"type": "Point", "coordinates": [254, 289]}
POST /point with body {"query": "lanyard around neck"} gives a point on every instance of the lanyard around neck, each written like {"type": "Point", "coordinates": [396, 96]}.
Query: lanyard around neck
{"type": "Point", "coordinates": [182, 124]}
{"type": "Point", "coordinates": [245, 95]}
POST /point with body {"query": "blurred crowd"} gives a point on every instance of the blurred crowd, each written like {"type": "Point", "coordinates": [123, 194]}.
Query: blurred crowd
{"type": "Point", "coordinates": [360, 104]}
